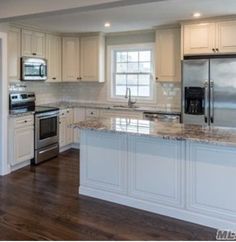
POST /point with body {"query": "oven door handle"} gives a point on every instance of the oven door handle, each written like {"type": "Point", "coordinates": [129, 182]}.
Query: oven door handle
{"type": "Point", "coordinates": [49, 149]}
{"type": "Point", "coordinates": [48, 115]}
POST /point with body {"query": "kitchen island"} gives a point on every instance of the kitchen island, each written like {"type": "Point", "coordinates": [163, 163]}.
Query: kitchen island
{"type": "Point", "coordinates": [182, 171]}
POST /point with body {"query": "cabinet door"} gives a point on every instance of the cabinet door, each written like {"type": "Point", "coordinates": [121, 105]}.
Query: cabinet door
{"type": "Point", "coordinates": [211, 179]}
{"type": "Point", "coordinates": [14, 48]}
{"type": "Point", "coordinates": [79, 115]}
{"type": "Point", "coordinates": [199, 38]}
{"type": "Point", "coordinates": [23, 144]}
{"type": "Point", "coordinates": [38, 44]}
{"type": "Point", "coordinates": [226, 37]}
{"type": "Point", "coordinates": [89, 58]}
{"type": "Point", "coordinates": [69, 130]}
{"type": "Point", "coordinates": [53, 53]}
{"type": "Point", "coordinates": [168, 55]}
{"type": "Point", "coordinates": [62, 131]}
{"type": "Point", "coordinates": [70, 61]}
{"type": "Point", "coordinates": [27, 43]}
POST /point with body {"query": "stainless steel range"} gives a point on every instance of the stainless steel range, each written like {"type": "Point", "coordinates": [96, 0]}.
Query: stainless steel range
{"type": "Point", "coordinates": [46, 142]}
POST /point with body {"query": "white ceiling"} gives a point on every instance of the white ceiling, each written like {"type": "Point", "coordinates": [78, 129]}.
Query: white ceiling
{"type": "Point", "coordinates": [132, 17]}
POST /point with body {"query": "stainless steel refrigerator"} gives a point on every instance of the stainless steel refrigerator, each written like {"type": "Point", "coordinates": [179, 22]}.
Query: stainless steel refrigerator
{"type": "Point", "coordinates": [209, 91]}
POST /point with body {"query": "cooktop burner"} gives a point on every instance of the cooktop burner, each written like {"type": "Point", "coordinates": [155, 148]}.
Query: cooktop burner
{"type": "Point", "coordinates": [34, 109]}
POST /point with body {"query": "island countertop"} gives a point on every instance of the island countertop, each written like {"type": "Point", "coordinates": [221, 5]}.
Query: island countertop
{"type": "Point", "coordinates": [174, 131]}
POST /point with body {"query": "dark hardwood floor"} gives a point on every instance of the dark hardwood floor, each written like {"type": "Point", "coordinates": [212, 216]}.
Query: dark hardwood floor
{"type": "Point", "coordinates": [42, 203]}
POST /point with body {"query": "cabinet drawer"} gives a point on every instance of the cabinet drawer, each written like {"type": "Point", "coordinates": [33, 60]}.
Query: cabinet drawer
{"type": "Point", "coordinates": [92, 112]}
{"type": "Point", "coordinates": [23, 121]}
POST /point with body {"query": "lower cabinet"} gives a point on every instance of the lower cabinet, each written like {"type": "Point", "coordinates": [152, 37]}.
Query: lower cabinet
{"type": "Point", "coordinates": [79, 115]}
{"type": "Point", "coordinates": [66, 136]}
{"type": "Point", "coordinates": [21, 139]}
{"type": "Point", "coordinates": [211, 180]}
{"type": "Point", "coordinates": [156, 170]}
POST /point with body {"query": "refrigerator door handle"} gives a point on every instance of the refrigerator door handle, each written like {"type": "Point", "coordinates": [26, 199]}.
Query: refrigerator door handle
{"type": "Point", "coordinates": [212, 101]}
{"type": "Point", "coordinates": [206, 101]}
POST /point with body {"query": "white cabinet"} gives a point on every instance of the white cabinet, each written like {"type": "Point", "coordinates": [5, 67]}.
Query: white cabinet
{"type": "Point", "coordinates": [83, 58]}
{"type": "Point", "coordinates": [199, 38]}
{"type": "Point", "coordinates": [21, 139]}
{"type": "Point", "coordinates": [156, 170]}
{"type": "Point", "coordinates": [121, 114]}
{"type": "Point", "coordinates": [209, 38]}
{"type": "Point", "coordinates": [168, 61]}
{"type": "Point", "coordinates": [14, 53]}
{"type": "Point", "coordinates": [92, 113]}
{"type": "Point", "coordinates": [92, 58]}
{"type": "Point", "coordinates": [53, 55]}
{"type": "Point", "coordinates": [70, 59]}
{"type": "Point", "coordinates": [33, 43]}
{"type": "Point", "coordinates": [103, 162]}
{"type": "Point", "coordinates": [210, 179]}
{"type": "Point", "coordinates": [226, 36]}
{"type": "Point", "coordinates": [66, 136]}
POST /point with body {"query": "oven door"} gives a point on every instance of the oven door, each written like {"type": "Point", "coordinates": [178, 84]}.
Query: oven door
{"type": "Point", "coordinates": [46, 129]}
{"type": "Point", "coordinates": [34, 69]}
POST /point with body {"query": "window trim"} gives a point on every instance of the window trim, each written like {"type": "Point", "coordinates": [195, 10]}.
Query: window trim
{"type": "Point", "coordinates": [110, 75]}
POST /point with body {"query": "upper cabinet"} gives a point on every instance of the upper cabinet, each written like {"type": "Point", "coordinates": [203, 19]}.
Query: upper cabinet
{"type": "Point", "coordinates": [33, 43]}
{"type": "Point", "coordinates": [92, 58]}
{"type": "Point", "coordinates": [83, 58]}
{"type": "Point", "coordinates": [14, 53]}
{"type": "Point", "coordinates": [168, 61]}
{"type": "Point", "coordinates": [209, 38]}
{"type": "Point", "coordinates": [70, 59]}
{"type": "Point", "coordinates": [53, 56]}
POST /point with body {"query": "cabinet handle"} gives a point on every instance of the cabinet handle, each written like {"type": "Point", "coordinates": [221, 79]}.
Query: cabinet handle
{"type": "Point", "coordinates": [79, 78]}
{"type": "Point", "coordinates": [34, 53]}
{"type": "Point", "coordinates": [54, 78]}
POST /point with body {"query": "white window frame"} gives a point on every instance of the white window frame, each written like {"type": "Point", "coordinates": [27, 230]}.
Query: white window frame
{"type": "Point", "coordinates": [110, 69]}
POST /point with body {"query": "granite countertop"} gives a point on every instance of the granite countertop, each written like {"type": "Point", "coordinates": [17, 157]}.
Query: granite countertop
{"type": "Point", "coordinates": [164, 110]}
{"type": "Point", "coordinates": [174, 131]}
{"type": "Point", "coordinates": [13, 114]}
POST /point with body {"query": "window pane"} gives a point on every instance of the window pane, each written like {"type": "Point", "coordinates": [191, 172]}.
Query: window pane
{"type": "Point", "coordinates": [121, 56]}
{"type": "Point", "coordinates": [120, 90]}
{"type": "Point", "coordinates": [121, 67]}
{"type": "Point", "coordinates": [132, 79]}
{"type": "Point", "coordinates": [145, 56]}
{"type": "Point", "coordinates": [133, 67]}
{"type": "Point", "coordinates": [144, 79]}
{"type": "Point", "coordinates": [133, 56]}
{"type": "Point", "coordinates": [121, 79]}
{"type": "Point", "coordinates": [144, 91]}
{"type": "Point", "coordinates": [145, 67]}
{"type": "Point", "coordinates": [134, 90]}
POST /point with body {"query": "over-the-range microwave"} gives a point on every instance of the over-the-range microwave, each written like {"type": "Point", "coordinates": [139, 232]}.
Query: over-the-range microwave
{"type": "Point", "coordinates": [33, 69]}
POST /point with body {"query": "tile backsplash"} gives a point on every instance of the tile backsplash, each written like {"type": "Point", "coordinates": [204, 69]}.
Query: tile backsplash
{"type": "Point", "coordinates": [167, 94]}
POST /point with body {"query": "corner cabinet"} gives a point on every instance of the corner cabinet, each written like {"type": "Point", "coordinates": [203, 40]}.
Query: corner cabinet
{"type": "Point", "coordinates": [70, 59]}
{"type": "Point", "coordinates": [33, 43]}
{"type": "Point", "coordinates": [14, 54]}
{"type": "Point", "coordinates": [83, 59]}
{"type": "Point", "coordinates": [21, 139]}
{"type": "Point", "coordinates": [209, 38]}
{"type": "Point", "coordinates": [168, 60]}
{"type": "Point", "coordinates": [53, 55]}
{"type": "Point", "coordinates": [92, 58]}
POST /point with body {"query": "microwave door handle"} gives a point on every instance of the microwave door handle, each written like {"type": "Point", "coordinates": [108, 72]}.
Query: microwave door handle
{"type": "Point", "coordinates": [42, 70]}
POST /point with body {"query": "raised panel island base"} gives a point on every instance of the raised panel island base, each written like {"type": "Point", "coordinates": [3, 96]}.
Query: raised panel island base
{"type": "Point", "coordinates": [182, 171]}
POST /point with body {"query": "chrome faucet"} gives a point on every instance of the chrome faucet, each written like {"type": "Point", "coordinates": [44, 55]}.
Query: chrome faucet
{"type": "Point", "coordinates": [128, 95]}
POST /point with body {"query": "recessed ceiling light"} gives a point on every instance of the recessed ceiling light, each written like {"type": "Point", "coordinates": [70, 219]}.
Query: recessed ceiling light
{"type": "Point", "coordinates": [107, 25]}
{"type": "Point", "coordinates": [197, 15]}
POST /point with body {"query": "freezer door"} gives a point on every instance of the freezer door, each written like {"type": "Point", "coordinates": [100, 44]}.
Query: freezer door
{"type": "Point", "coordinates": [223, 92]}
{"type": "Point", "coordinates": [195, 73]}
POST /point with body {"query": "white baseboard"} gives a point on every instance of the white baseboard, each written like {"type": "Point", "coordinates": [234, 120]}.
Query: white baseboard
{"type": "Point", "coordinates": [21, 165]}
{"type": "Point", "coordinates": [67, 147]}
{"type": "Point", "coordinates": [173, 212]}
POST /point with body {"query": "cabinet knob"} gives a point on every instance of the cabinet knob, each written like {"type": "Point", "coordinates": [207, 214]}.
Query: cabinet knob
{"type": "Point", "coordinates": [25, 121]}
{"type": "Point", "coordinates": [214, 50]}
{"type": "Point", "coordinates": [217, 50]}
{"type": "Point", "coordinates": [157, 78]}
{"type": "Point", "coordinates": [34, 53]}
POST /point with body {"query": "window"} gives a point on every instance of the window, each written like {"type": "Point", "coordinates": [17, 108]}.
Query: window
{"type": "Point", "coordinates": [132, 67]}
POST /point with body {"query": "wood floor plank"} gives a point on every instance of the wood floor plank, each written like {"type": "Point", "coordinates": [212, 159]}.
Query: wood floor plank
{"type": "Point", "coordinates": [42, 203]}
